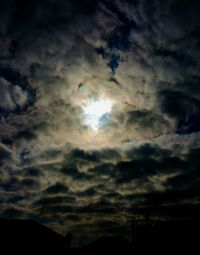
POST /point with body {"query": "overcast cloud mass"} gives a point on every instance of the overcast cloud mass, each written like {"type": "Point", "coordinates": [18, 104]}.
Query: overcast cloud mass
{"type": "Point", "coordinates": [55, 55]}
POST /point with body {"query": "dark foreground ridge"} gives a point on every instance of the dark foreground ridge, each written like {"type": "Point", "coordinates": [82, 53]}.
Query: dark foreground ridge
{"type": "Point", "coordinates": [28, 236]}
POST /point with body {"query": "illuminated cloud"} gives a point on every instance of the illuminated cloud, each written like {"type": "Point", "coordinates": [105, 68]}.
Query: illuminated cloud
{"type": "Point", "coordinates": [95, 110]}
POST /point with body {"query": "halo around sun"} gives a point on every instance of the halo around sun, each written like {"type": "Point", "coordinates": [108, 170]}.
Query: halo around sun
{"type": "Point", "coordinates": [94, 110]}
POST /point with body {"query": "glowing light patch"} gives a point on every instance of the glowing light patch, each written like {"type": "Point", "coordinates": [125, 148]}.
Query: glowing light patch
{"type": "Point", "coordinates": [94, 110]}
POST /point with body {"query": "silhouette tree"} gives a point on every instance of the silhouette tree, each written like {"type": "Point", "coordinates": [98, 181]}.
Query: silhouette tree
{"type": "Point", "coordinates": [133, 221]}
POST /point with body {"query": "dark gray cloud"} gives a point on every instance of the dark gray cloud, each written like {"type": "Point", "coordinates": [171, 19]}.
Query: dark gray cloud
{"type": "Point", "coordinates": [17, 184]}
{"type": "Point", "coordinates": [57, 188]}
{"type": "Point", "coordinates": [50, 201]}
{"type": "Point", "coordinates": [71, 170]}
{"type": "Point", "coordinates": [54, 210]}
{"type": "Point", "coordinates": [81, 154]}
{"type": "Point", "coordinates": [87, 193]}
{"type": "Point", "coordinates": [25, 134]}
{"type": "Point", "coordinates": [12, 213]}
{"type": "Point", "coordinates": [103, 206]}
{"type": "Point", "coordinates": [133, 170]}
{"type": "Point", "coordinates": [188, 180]}
{"type": "Point", "coordinates": [148, 150]}
{"type": "Point", "coordinates": [32, 172]}
{"type": "Point", "coordinates": [106, 169]}
{"type": "Point", "coordinates": [149, 122]}
{"type": "Point", "coordinates": [178, 104]}
{"type": "Point", "coordinates": [17, 95]}
{"type": "Point", "coordinates": [5, 153]}
{"type": "Point", "coordinates": [95, 156]}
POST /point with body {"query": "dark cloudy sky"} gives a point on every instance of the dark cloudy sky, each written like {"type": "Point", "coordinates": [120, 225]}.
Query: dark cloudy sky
{"type": "Point", "coordinates": [143, 56]}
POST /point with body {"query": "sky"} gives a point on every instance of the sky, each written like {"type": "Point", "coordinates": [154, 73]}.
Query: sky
{"type": "Point", "coordinates": [99, 112]}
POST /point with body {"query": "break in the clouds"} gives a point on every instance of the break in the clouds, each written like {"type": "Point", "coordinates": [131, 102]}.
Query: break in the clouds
{"type": "Point", "coordinates": [72, 168]}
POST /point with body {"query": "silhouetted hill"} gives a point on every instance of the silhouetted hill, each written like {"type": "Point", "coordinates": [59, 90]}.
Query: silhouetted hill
{"type": "Point", "coordinates": [180, 235]}
{"type": "Point", "coordinates": [29, 236]}
{"type": "Point", "coordinates": [163, 236]}
{"type": "Point", "coordinates": [172, 233]}
{"type": "Point", "coordinates": [110, 242]}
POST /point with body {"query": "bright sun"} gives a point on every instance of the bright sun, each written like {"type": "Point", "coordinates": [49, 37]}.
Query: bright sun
{"type": "Point", "coordinates": [94, 110]}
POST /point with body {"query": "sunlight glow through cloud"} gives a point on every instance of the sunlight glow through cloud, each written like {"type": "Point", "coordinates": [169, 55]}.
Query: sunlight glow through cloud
{"type": "Point", "coordinates": [94, 110]}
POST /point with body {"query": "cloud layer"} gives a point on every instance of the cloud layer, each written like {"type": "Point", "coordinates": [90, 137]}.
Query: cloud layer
{"type": "Point", "coordinates": [57, 55]}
